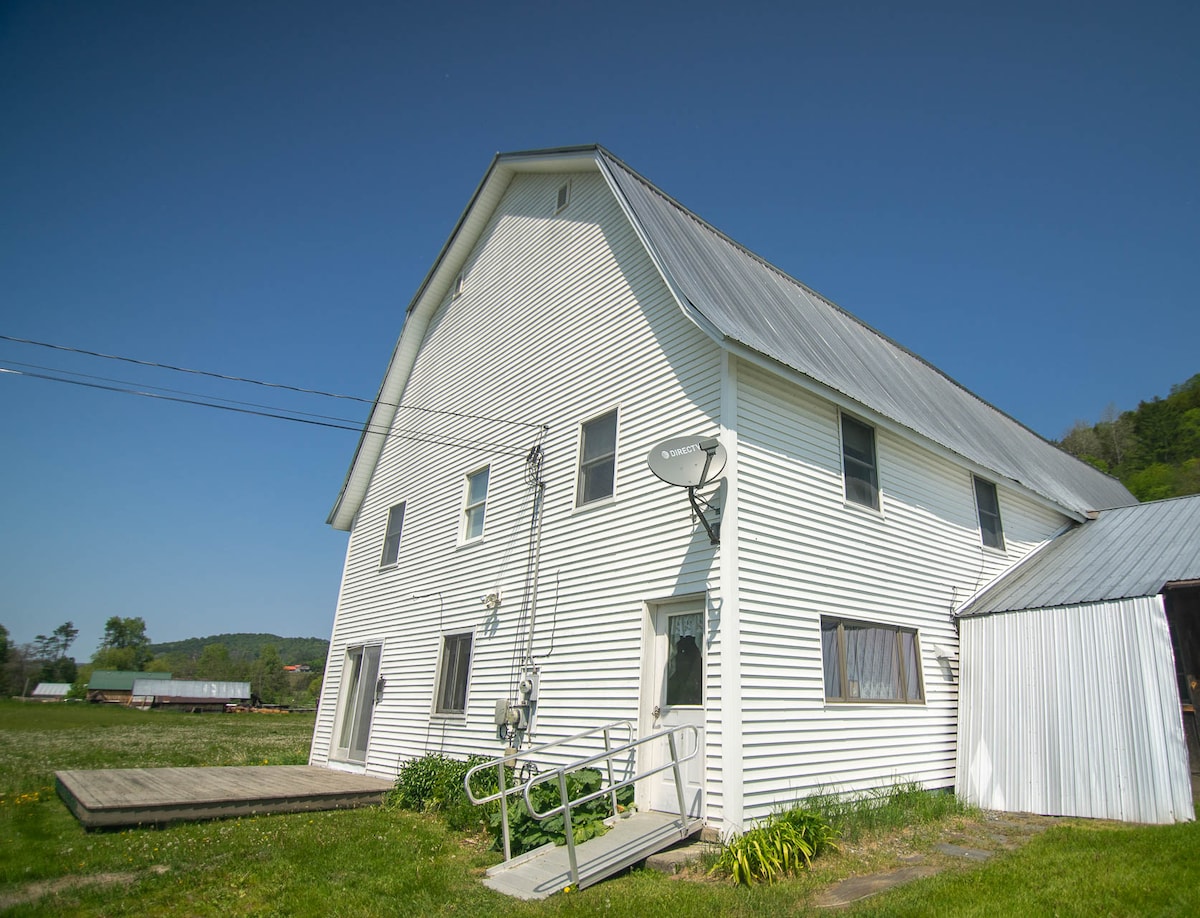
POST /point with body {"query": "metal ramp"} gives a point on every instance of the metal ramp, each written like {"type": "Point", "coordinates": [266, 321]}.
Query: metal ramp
{"type": "Point", "coordinates": [547, 870]}
{"type": "Point", "coordinates": [631, 837]}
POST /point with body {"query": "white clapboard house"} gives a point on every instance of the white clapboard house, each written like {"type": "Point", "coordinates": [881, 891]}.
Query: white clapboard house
{"type": "Point", "coordinates": [518, 573]}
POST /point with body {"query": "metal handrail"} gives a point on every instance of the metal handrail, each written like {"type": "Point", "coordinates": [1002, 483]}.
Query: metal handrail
{"type": "Point", "coordinates": [566, 804]}
{"type": "Point", "coordinates": [504, 792]}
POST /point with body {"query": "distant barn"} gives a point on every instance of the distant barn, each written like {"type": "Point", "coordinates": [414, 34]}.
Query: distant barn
{"type": "Point", "coordinates": [51, 691]}
{"type": "Point", "coordinates": [190, 695]}
{"type": "Point", "coordinates": [115, 686]}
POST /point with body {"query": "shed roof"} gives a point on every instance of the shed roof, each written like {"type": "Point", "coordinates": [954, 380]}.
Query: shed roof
{"type": "Point", "coordinates": [120, 680]}
{"type": "Point", "coordinates": [51, 689]}
{"type": "Point", "coordinates": [192, 689]}
{"type": "Point", "coordinates": [745, 303]}
{"type": "Point", "coordinates": [1123, 553]}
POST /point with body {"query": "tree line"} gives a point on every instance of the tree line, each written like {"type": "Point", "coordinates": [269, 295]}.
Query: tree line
{"type": "Point", "coordinates": [1154, 450]}
{"type": "Point", "coordinates": [126, 646]}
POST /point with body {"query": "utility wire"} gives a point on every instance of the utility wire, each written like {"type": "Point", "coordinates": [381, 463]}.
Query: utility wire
{"type": "Point", "coordinates": [259, 382]}
{"type": "Point", "coordinates": [201, 395]}
{"type": "Point", "coordinates": [403, 434]}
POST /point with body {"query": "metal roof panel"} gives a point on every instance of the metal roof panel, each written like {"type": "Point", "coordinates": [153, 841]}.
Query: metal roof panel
{"type": "Point", "coordinates": [1124, 553]}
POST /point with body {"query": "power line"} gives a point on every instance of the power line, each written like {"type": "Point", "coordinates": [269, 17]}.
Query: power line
{"type": "Point", "coordinates": [414, 436]}
{"type": "Point", "coordinates": [201, 395]}
{"type": "Point", "coordinates": [259, 382]}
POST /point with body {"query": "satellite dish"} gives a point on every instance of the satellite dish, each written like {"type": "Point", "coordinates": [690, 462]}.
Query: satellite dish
{"type": "Point", "coordinates": [688, 462]}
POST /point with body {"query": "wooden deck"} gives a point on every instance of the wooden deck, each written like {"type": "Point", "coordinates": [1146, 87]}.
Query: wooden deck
{"type": "Point", "coordinates": [114, 797]}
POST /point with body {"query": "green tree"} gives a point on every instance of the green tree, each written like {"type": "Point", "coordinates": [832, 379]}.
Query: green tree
{"type": "Point", "coordinates": [51, 651]}
{"type": "Point", "coordinates": [216, 665]}
{"type": "Point", "coordinates": [125, 645]}
{"type": "Point", "coordinates": [269, 680]}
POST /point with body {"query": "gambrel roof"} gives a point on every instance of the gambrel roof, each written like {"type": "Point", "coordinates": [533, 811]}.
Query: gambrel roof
{"type": "Point", "coordinates": [761, 313]}
{"type": "Point", "coordinates": [1124, 553]}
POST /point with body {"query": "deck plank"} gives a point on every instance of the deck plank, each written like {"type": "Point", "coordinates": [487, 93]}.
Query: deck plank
{"type": "Point", "coordinates": [142, 796]}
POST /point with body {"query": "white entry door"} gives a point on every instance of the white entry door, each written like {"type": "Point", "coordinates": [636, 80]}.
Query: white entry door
{"type": "Point", "coordinates": [360, 690]}
{"type": "Point", "coordinates": [676, 697]}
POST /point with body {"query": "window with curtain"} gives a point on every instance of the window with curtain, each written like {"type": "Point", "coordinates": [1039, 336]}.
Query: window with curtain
{"type": "Point", "coordinates": [866, 662]}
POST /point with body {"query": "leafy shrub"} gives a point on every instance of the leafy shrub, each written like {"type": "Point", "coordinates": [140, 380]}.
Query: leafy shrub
{"type": "Point", "coordinates": [784, 843]}
{"type": "Point", "coordinates": [433, 783]}
{"type": "Point", "coordinates": [587, 821]}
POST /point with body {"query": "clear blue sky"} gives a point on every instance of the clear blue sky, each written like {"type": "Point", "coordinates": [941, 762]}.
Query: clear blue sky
{"type": "Point", "coordinates": [257, 189]}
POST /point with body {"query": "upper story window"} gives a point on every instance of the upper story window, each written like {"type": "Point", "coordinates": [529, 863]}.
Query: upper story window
{"type": "Point", "coordinates": [453, 674]}
{"type": "Point", "coordinates": [460, 281]}
{"type": "Point", "coordinates": [474, 504]}
{"type": "Point", "coordinates": [865, 662]}
{"type": "Point", "coordinates": [563, 198]}
{"type": "Point", "coordinates": [991, 530]}
{"type": "Point", "coordinates": [391, 541]}
{"type": "Point", "coordinates": [858, 462]}
{"type": "Point", "coordinates": [597, 459]}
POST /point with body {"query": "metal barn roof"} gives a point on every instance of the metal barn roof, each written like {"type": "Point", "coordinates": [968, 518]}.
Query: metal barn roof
{"type": "Point", "coordinates": [51, 689]}
{"type": "Point", "coordinates": [192, 689]}
{"type": "Point", "coordinates": [1123, 553]}
{"type": "Point", "coordinates": [744, 302]}
{"type": "Point", "coordinates": [753, 303]}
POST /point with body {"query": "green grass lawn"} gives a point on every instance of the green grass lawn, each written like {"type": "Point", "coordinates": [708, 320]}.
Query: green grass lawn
{"type": "Point", "coordinates": [386, 862]}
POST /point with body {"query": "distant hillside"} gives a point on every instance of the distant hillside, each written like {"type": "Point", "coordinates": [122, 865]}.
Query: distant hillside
{"type": "Point", "coordinates": [1154, 449]}
{"type": "Point", "coordinates": [249, 646]}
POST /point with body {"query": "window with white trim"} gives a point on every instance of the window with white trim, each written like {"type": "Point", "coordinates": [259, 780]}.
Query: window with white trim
{"type": "Point", "coordinates": [391, 540]}
{"type": "Point", "coordinates": [870, 662]}
{"type": "Point", "coordinates": [597, 459]}
{"type": "Point", "coordinates": [858, 463]}
{"type": "Point", "coordinates": [987, 504]}
{"type": "Point", "coordinates": [454, 673]}
{"type": "Point", "coordinates": [475, 504]}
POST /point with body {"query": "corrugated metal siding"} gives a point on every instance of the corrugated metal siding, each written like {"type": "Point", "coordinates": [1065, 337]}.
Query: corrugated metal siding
{"type": "Point", "coordinates": [561, 318]}
{"type": "Point", "coordinates": [806, 552]}
{"type": "Point", "coordinates": [757, 305]}
{"type": "Point", "coordinates": [189, 688]}
{"type": "Point", "coordinates": [1073, 712]}
{"type": "Point", "coordinates": [1128, 552]}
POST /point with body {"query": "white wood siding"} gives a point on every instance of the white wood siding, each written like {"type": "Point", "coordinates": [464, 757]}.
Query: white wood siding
{"type": "Point", "coordinates": [805, 551]}
{"type": "Point", "coordinates": [1074, 712]}
{"type": "Point", "coordinates": [562, 317]}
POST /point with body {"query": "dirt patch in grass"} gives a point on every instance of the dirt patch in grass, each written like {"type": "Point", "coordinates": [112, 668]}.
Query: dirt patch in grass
{"type": "Point", "coordinates": [31, 892]}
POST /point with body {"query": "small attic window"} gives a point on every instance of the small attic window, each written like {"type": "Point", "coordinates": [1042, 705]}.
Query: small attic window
{"type": "Point", "coordinates": [564, 195]}
{"type": "Point", "coordinates": [459, 283]}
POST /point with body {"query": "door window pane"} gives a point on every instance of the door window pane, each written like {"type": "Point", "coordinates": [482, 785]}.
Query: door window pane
{"type": "Point", "coordinates": [685, 660]}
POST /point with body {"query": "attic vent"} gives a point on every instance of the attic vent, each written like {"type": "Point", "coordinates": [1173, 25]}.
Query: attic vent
{"type": "Point", "coordinates": [458, 284]}
{"type": "Point", "coordinates": [564, 195]}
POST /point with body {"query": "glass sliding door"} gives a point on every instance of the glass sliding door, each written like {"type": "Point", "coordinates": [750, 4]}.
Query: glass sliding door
{"type": "Point", "coordinates": [357, 702]}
